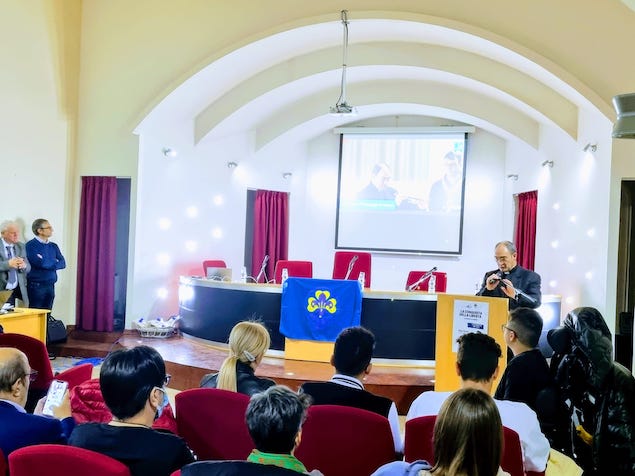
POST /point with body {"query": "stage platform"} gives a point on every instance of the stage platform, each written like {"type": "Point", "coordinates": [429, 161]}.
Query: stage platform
{"type": "Point", "coordinates": [188, 359]}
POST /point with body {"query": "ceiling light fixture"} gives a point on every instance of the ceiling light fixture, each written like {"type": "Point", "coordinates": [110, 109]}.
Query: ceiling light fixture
{"type": "Point", "coordinates": [232, 165]}
{"type": "Point", "coordinates": [341, 106]}
{"type": "Point", "coordinates": [590, 147]}
{"type": "Point", "coordinates": [547, 163]}
{"type": "Point", "coordinates": [624, 127]}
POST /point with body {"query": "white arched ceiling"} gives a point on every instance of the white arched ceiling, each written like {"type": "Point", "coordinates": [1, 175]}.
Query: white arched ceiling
{"type": "Point", "coordinates": [280, 82]}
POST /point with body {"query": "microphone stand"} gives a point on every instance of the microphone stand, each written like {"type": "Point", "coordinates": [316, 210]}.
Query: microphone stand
{"type": "Point", "coordinates": [350, 267]}
{"type": "Point", "coordinates": [262, 269]}
{"type": "Point", "coordinates": [425, 276]}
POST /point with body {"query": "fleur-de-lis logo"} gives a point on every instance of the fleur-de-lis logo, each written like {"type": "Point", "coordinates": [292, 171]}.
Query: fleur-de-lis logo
{"type": "Point", "coordinates": [322, 302]}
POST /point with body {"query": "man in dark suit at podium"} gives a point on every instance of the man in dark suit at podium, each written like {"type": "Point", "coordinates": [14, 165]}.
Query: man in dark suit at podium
{"type": "Point", "coordinates": [351, 359]}
{"type": "Point", "coordinates": [521, 286]}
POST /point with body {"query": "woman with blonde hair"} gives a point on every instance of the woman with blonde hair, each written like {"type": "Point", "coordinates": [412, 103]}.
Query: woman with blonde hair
{"type": "Point", "coordinates": [468, 440]}
{"type": "Point", "coordinates": [248, 342]}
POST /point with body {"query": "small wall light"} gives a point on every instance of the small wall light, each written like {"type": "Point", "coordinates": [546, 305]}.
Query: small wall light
{"type": "Point", "coordinates": [232, 165]}
{"type": "Point", "coordinates": [547, 163]}
{"type": "Point", "coordinates": [287, 175]}
{"type": "Point", "coordinates": [169, 152]}
{"type": "Point", "coordinates": [590, 147]}
{"type": "Point", "coordinates": [513, 177]}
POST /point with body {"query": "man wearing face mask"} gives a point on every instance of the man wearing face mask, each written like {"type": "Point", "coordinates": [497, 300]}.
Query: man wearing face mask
{"type": "Point", "coordinates": [133, 383]}
{"type": "Point", "coordinates": [521, 286]}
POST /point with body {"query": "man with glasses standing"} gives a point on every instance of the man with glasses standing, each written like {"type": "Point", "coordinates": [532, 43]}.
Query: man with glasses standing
{"type": "Point", "coordinates": [521, 286]}
{"type": "Point", "coordinates": [14, 264]}
{"type": "Point", "coordinates": [18, 428]}
{"type": "Point", "coordinates": [45, 258]}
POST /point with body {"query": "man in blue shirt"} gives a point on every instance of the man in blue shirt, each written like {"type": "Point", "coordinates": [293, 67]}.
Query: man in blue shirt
{"type": "Point", "coordinates": [45, 258]}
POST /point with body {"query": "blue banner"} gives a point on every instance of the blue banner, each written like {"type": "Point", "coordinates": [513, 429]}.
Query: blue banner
{"type": "Point", "coordinates": [318, 309]}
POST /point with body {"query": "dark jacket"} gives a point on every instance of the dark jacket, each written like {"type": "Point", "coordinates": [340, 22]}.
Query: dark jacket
{"type": "Point", "coordinates": [234, 468]}
{"type": "Point", "coordinates": [611, 393]}
{"type": "Point", "coordinates": [524, 280]}
{"type": "Point", "coordinates": [330, 393]}
{"type": "Point", "coordinates": [246, 381]}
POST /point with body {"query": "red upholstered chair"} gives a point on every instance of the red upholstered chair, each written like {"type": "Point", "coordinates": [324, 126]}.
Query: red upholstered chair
{"type": "Point", "coordinates": [87, 405]}
{"type": "Point", "coordinates": [37, 354]}
{"type": "Point", "coordinates": [512, 460]}
{"type": "Point", "coordinates": [418, 439]}
{"type": "Point", "coordinates": [414, 276]}
{"type": "Point", "coordinates": [4, 465]}
{"type": "Point", "coordinates": [76, 375]}
{"type": "Point", "coordinates": [341, 440]}
{"type": "Point", "coordinates": [212, 421]}
{"type": "Point", "coordinates": [62, 460]}
{"type": "Point", "coordinates": [342, 261]}
{"type": "Point", "coordinates": [213, 263]}
{"type": "Point", "coordinates": [297, 269]}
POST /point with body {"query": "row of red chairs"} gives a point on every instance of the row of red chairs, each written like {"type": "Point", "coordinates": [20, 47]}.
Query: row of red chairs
{"type": "Point", "coordinates": [361, 261]}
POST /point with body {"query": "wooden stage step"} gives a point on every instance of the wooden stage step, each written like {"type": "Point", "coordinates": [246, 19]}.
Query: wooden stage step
{"type": "Point", "coordinates": [188, 360]}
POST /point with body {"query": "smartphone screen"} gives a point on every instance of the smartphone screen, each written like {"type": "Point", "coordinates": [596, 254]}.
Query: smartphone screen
{"type": "Point", "coordinates": [54, 396]}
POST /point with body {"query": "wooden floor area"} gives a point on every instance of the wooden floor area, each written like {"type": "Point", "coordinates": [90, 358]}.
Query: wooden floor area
{"type": "Point", "coordinates": [187, 360]}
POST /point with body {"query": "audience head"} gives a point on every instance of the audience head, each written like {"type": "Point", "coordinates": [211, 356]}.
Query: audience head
{"type": "Point", "coordinates": [9, 231]}
{"type": "Point", "coordinates": [526, 325]}
{"type": "Point", "coordinates": [132, 381]}
{"type": "Point", "coordinates": [274, 419]}
{"type": "Point", "coordinates": [248, 342]}
{"type": "Point", "coordinates": [468, 435]}
{"type": "Point", "coordinates": [505, 255]}
{"type": "Point", "coordinates": [353, 351]}
{"type": "Point", "coordinates": [15, 374]}
{"type": "Point", "coordinates": [477, 357]}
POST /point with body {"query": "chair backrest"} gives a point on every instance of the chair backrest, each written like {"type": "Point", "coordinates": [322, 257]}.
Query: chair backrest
{"type": "Point", "coordinates": [418, 442]}
{"type": "Point", "coordinates": [76, 375]}
{"type": "Point", "coordinates": [342, 261]}
{"type": "Point", "coordinates": [341, 440]}
{"type": "Point", "coordinates": [62, 460]}
{"type": "Point", "coordinates": [296, 269]}
{"type": "Point", "coordinates": [4, 466]}
{"type": "Point", "coordinates": [87, 405]}
{"type": "Point", "coordinates": [441, 281]}
{"type": "Point", "coordinates": [213, 263]}
{"type": "Point", "coordinates": [233, 468]}
{"type": "Point", "coordinates": [202, 412]}
{"type": "Point", "coordinates": [37, 354]}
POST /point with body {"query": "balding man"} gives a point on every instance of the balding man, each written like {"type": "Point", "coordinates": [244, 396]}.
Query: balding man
{"type": "Point", "coordinates": [14, 264]}
{"type": "Point", "coordinates": [18, 428]}
{"type": "Point", "coordinates": [521, 286]}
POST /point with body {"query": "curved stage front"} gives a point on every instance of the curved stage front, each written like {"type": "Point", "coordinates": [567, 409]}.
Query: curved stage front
{"type": "Point", "coordinates": [403, 323]}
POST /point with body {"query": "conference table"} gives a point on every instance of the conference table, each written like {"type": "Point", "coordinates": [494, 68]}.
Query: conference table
{"type": "Point", "coordinates": [404, 323]}
{"type": "Point", "coordinates": [27, 321]}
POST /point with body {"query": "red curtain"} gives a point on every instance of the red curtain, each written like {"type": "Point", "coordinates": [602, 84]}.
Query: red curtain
{"type": "Point", "coordinates": [96, 255]}
{"type": "Point", "coordinates": [271, 231]}
{"type": "Point", "coordinates": [525, 235]}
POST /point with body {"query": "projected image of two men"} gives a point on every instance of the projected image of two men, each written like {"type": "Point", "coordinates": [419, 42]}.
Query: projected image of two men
{"type": "Point", "coordinates": [401, 193]}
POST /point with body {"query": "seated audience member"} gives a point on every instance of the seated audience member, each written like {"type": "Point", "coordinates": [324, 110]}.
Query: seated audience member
{"type": "Point", "coordinates": [528, 372]}
{"type": "Point", "coordinates": [248, 342]}
{"type": "Point", "coordinates": [132, 384]}
{"type": "Point", "coordinates": [477, 365]}
{"type": "Point", "coordinates": [351, 358]}
{"type": "Point", "coordinates": [18, 428]}
{"type": "Point", "coordinates": [599, 393]}
{"type": "Point", "coordinates": [468, 439]}
{"type": "Point", "coordinates": [274, 420]}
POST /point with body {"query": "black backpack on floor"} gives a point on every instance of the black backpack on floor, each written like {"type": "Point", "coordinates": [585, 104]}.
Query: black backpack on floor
{"type": "Point", "coordinates": [55, 330]}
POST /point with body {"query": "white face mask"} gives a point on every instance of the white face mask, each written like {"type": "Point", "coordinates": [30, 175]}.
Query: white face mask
{"type": "Point", "coordinates": [163, 403]}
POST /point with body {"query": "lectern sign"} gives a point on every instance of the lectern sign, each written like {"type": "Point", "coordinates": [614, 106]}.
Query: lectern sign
{"type": "Point", "coordinates": [469, 316]}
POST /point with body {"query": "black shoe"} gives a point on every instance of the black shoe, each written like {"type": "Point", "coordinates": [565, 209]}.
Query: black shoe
{"type": "Point", "coordinates": [52, 356]}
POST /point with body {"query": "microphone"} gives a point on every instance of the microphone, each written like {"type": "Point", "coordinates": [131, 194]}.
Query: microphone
{"type": "Point", "coordinates": [423, 277]}
{"type": "Point", "coordinates": [265, 260]}
{"type": "Point", "coordinates": [350, 266]}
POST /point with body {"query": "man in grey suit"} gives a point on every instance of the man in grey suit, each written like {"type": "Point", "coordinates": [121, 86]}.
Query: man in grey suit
{"type": "Point", "coordinates": [14, 264]}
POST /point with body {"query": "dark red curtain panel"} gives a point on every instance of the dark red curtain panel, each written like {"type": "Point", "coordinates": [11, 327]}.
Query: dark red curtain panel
{"type": "Point", "coordinates": [525, 235]}
{"type": "Point", "coordinates": [271, 230]}
{"type": "Point", "coordinates": [96, 255]}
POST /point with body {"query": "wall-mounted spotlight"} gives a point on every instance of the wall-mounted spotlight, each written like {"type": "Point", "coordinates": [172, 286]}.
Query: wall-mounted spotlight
{"type": "Point", "coordinates": [232, 165]}
{"type": "Point", "coordinates": [547, 163]}
{"type": "Point", "coordinates": [513, 177]}
{"type": "Point", "coordinates": [169, 152]}
{"type": "Point", "coordinates": [287, 175]}
{"type": "Point", "coordinates": [590, 147]}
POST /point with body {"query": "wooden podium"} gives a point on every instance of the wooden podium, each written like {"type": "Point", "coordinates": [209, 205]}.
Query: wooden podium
{"type": "Point", "coordinates": [30, 322]}
{"type": "Point", "coordinates": [453, 312]}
